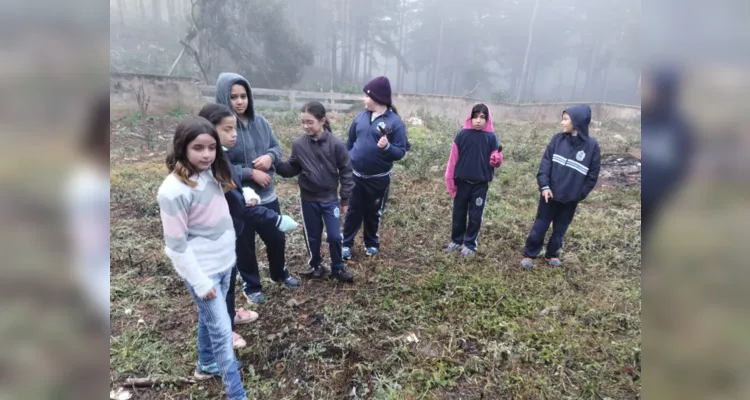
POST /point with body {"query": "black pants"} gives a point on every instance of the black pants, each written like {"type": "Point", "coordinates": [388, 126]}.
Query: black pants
{"type": "Point", "coordinates": [560, 215]}
{"type": "Point", "coordinates": [247, 263]}
{"type": "Point", "coordinates": [469, 201]}
{"type": "Point", "coordinates": [314, 215]}
{"type": "Point", "coordinates": [366, 205]}
{"type": "Point", "coordinates": [230, 296]}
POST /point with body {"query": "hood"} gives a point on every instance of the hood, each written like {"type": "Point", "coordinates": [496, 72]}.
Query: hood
{"type": "Point", "coordinates": [224, 87]}
{"type": "Point", "coordinates": [487, 127]}
{"type": "Point", "coordinates": [665, 82]}
{"type": "Point", "coordinates": [581, 117]}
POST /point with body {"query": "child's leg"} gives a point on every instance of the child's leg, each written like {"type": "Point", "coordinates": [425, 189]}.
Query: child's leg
{"type": "Point", "coordinates": [544, 214]}
{"type": "Point", "coordinates": [312, 224]}
{"type": "Point", "coordinates": [230, 296]}
{"type": "Point", "coordinates": [355, 214]}
{"type": "Point", "coordinates": [460, 210]}
{"type": "Point", "coordinates": [275, 241]}
{"type": "Point", "coordinates": [215, 335]}
{"type": "Point", "coordinates": [377, 193]}
{"type": "Point", "coordinates": [560, 223]}
{"type": "Point", "coordinates": [477, 199]}
{"type": "Point", "coordinates": [247, 263]}
{"type": "Point", "coordinates": [333, 233]}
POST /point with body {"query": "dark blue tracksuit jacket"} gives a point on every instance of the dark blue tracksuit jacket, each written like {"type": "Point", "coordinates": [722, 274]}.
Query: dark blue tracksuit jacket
{"type": "Point", "coordinates": [570, 165]}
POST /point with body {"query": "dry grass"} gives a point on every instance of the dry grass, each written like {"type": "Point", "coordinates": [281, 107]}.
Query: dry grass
{"type": "Point", "coordinates": [486, 328]}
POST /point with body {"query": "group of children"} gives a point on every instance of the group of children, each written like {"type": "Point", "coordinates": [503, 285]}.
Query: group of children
{"type": "Point", "coordinates": [220, 192]}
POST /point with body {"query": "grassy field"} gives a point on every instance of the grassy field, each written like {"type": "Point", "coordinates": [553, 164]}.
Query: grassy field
{"type": "Point", "coordinates": [417, 324]}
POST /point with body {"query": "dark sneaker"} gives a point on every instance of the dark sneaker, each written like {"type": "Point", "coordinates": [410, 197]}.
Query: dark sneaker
{"type": "Point", "coordinates": [342, 275]}
{"type": "Point", "coordinates": [255, 298]}
{"type": "Point", "coordinates": [318, 272]}
{"type": "Point", "coordinates": [466, 252]}
{"type": "Point", "coordinates": [346, 253]}
{"type": "Point", "coordinates": [372, 251]}
{"type": "Point", "coordinates": [453, 247]}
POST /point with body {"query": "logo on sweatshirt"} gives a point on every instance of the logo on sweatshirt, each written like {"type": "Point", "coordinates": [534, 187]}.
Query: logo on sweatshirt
{"type": "Point", "coordinates": [479, 202]}
{"type": "Point", "coordinates": [336, 212]}
{"type": "Point", "coordinates": [580, 155]}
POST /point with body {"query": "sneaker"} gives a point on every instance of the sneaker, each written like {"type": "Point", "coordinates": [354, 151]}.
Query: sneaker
{"type": "Point", "coordinates": [291, 282]}
{"type": "Point", "coordinates": [554, 262]}
{"type": "Point", "coordinates": [453, 247]}
{"type": "Point", "coordinates": [346, 253]}
{"type": "Point", "coordinates": [466, 252]}
{"type": "Point", "coordinates": [342, 275]}
{"type": "Point", "coordinates": [372, 251]}
{"type": "Point", "coordinates": [205, 372]}
{"type": "Point", "coordinates": [527, 263]}
{"type": "Point", "coordinates": [317, 273]}
{"type": "Point", "coordinates": [244, 317]}
{"type": "Point", "coordinates": [255, 298]}
{"type": "Point", "coordinates": [237, 341]}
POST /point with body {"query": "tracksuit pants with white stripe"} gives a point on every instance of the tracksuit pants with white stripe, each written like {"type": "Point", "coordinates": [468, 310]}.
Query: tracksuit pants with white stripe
{"type": "Point", "coordinates": [314, 215]}
{"type": "Point", "coordinates": [366, 207]}
{"type": "Point", "coordinates": [560, 215]}
{"type": "Point", "coordinates": [469, 201]}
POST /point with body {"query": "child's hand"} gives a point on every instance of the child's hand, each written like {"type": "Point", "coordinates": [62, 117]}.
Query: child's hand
{"type": "Point", "coordinates": [287, 224]}
{"type": "Point", "coordinates": [383, 142]}
{"type": "Point", "coordinates": [251, 198]}
{"type": "Point", "coordinates": [344, 209]}
{"type": "Point", "coordinates": [252, 203]}
{"type": "Point", "coordinates": [211, 294]}
{"type": "Point", "coordinates": [547, 194]}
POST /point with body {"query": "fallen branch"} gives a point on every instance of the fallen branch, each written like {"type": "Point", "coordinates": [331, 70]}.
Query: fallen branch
{"type": "Point", "coordinates": [153, 381]}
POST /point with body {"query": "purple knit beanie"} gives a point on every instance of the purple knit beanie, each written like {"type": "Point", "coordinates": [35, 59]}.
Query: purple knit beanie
{"type": "Point", "coordinates": [379, 89]}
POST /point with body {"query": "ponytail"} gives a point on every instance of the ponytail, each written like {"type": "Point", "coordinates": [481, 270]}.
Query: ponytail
{"type": "Point", "coordinates": [327, 126]}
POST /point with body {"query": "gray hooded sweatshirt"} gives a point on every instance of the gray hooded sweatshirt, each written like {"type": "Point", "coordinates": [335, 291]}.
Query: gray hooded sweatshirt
{"type": "Point", "coordinates": [254, 139]}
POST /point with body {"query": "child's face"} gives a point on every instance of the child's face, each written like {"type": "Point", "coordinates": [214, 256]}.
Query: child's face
{"type": "Point", "coordinates": [567, 124]}
{"type": "Point", "coordinates": [370, 104]}
{"type": "Point", "coordinates": [310, 124]}
{"type": "Point", "coordinates": [238, 99]}
{"type": "Point", "coordinates": [479, 121]}
{"type": "Point", "coordinates": [227, 130]}
{"type": "Point", "coordinates": [201, 152]}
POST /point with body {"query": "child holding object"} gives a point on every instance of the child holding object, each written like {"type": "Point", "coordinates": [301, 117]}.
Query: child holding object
{"type": "Point", "coordinates": [475, 154]}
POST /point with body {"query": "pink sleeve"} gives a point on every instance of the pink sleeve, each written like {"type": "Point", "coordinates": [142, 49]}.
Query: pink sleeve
{"type": "Point", "coordinates": [452, 160]}
{"type": "Point", "coordinates": [496, 159]}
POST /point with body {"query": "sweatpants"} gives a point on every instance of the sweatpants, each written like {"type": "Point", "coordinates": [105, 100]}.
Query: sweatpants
{"type": "Point", "coordinates": [366, 207]}
{"type": "Point", "coordinates": [314, 216]}
{"type": "Point", "coordinates": [247, 262]}
{"type": "Point", "coordinates": [469, 202]}
{"type": "Point", "coordinates": [560, 215]}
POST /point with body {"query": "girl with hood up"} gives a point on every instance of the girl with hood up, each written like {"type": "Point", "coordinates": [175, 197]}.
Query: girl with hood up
{"type": "Point", "coordinates": [468, 176]}
{"type": "Point", "coordinates": [567, 174]}
{"type": "Point", "coordinates": [253, 158]}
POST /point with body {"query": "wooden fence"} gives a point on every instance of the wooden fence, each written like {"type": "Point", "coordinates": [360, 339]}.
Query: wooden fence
{"type": "Point", "coordinates": [292, 99]}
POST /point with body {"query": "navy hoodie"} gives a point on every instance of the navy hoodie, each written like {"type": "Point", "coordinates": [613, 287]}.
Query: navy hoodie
{"type": "Point", "coordinates": [570, 165]}
{"type": "Point", "coordinates": [369, 161]}
{"type": "Point", "coordinates": [241, 214]}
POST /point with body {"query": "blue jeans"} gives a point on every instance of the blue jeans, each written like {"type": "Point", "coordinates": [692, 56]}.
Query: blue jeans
{"type": "Point", "coordinates": [215, 335]}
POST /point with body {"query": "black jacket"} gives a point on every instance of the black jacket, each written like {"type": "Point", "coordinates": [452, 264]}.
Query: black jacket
{"type": "Point", "coordinates": [321, 164]}
{"type": "Point", "coordinates": [570, 165]}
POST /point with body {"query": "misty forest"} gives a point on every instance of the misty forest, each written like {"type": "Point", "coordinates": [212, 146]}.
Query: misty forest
{"type": "Point", "coordinates": [502, 50]}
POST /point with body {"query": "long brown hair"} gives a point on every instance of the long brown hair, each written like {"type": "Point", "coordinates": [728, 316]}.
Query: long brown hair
{"type": "Point", "coordinates": [177, 161]}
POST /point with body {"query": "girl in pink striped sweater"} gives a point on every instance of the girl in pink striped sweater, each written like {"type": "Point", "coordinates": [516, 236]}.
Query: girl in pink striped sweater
{"type": "Point", "coordinates": [200, 242]}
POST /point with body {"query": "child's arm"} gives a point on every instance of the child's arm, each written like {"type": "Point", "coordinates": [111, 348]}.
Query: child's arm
{"type": "Point", "coordinates": [593, 175]}
{"type": "Point", "coordinates": [352, 135]}
{"type": "Point", "coordinates": [174, 213]}
{"type": "Point", "coordinates": [450, 183]}
{"type": "Point", "coordinates": [291, 167]}
{"type": "Point", "coordinates": [397, 148]}
{"type": "Point", "coordinates": [344, 165]}
{"type": "Point", "coordinates": [496, 158]}
{"type": "Point", "coordinates": [545, 167]}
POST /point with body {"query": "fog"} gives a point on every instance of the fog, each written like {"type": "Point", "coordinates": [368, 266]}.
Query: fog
{"type": "Point", "coordinates": [500, 50]}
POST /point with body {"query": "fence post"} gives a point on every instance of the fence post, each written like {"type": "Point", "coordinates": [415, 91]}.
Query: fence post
{"type": "Point", "coordinates": [291, 100]}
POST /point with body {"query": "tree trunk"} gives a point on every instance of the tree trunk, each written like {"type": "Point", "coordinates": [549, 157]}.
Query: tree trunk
{"type": "Point", "coordinates": [575, 81]}
{"type": "Point", "coordinates": [121, 11]}
{"type": "Point", "coordinates": [142, 10]}
{"type": "Point", "coordinates": [528, 50]}
{"type": "Point", "coordinates": [437, 60]}
{"type": "Point", "coordinates": [334, 47]}
{"type": "Point", "coordinates": [156, 8]}
{"type": "Point", "coordinates": [357, 55]}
